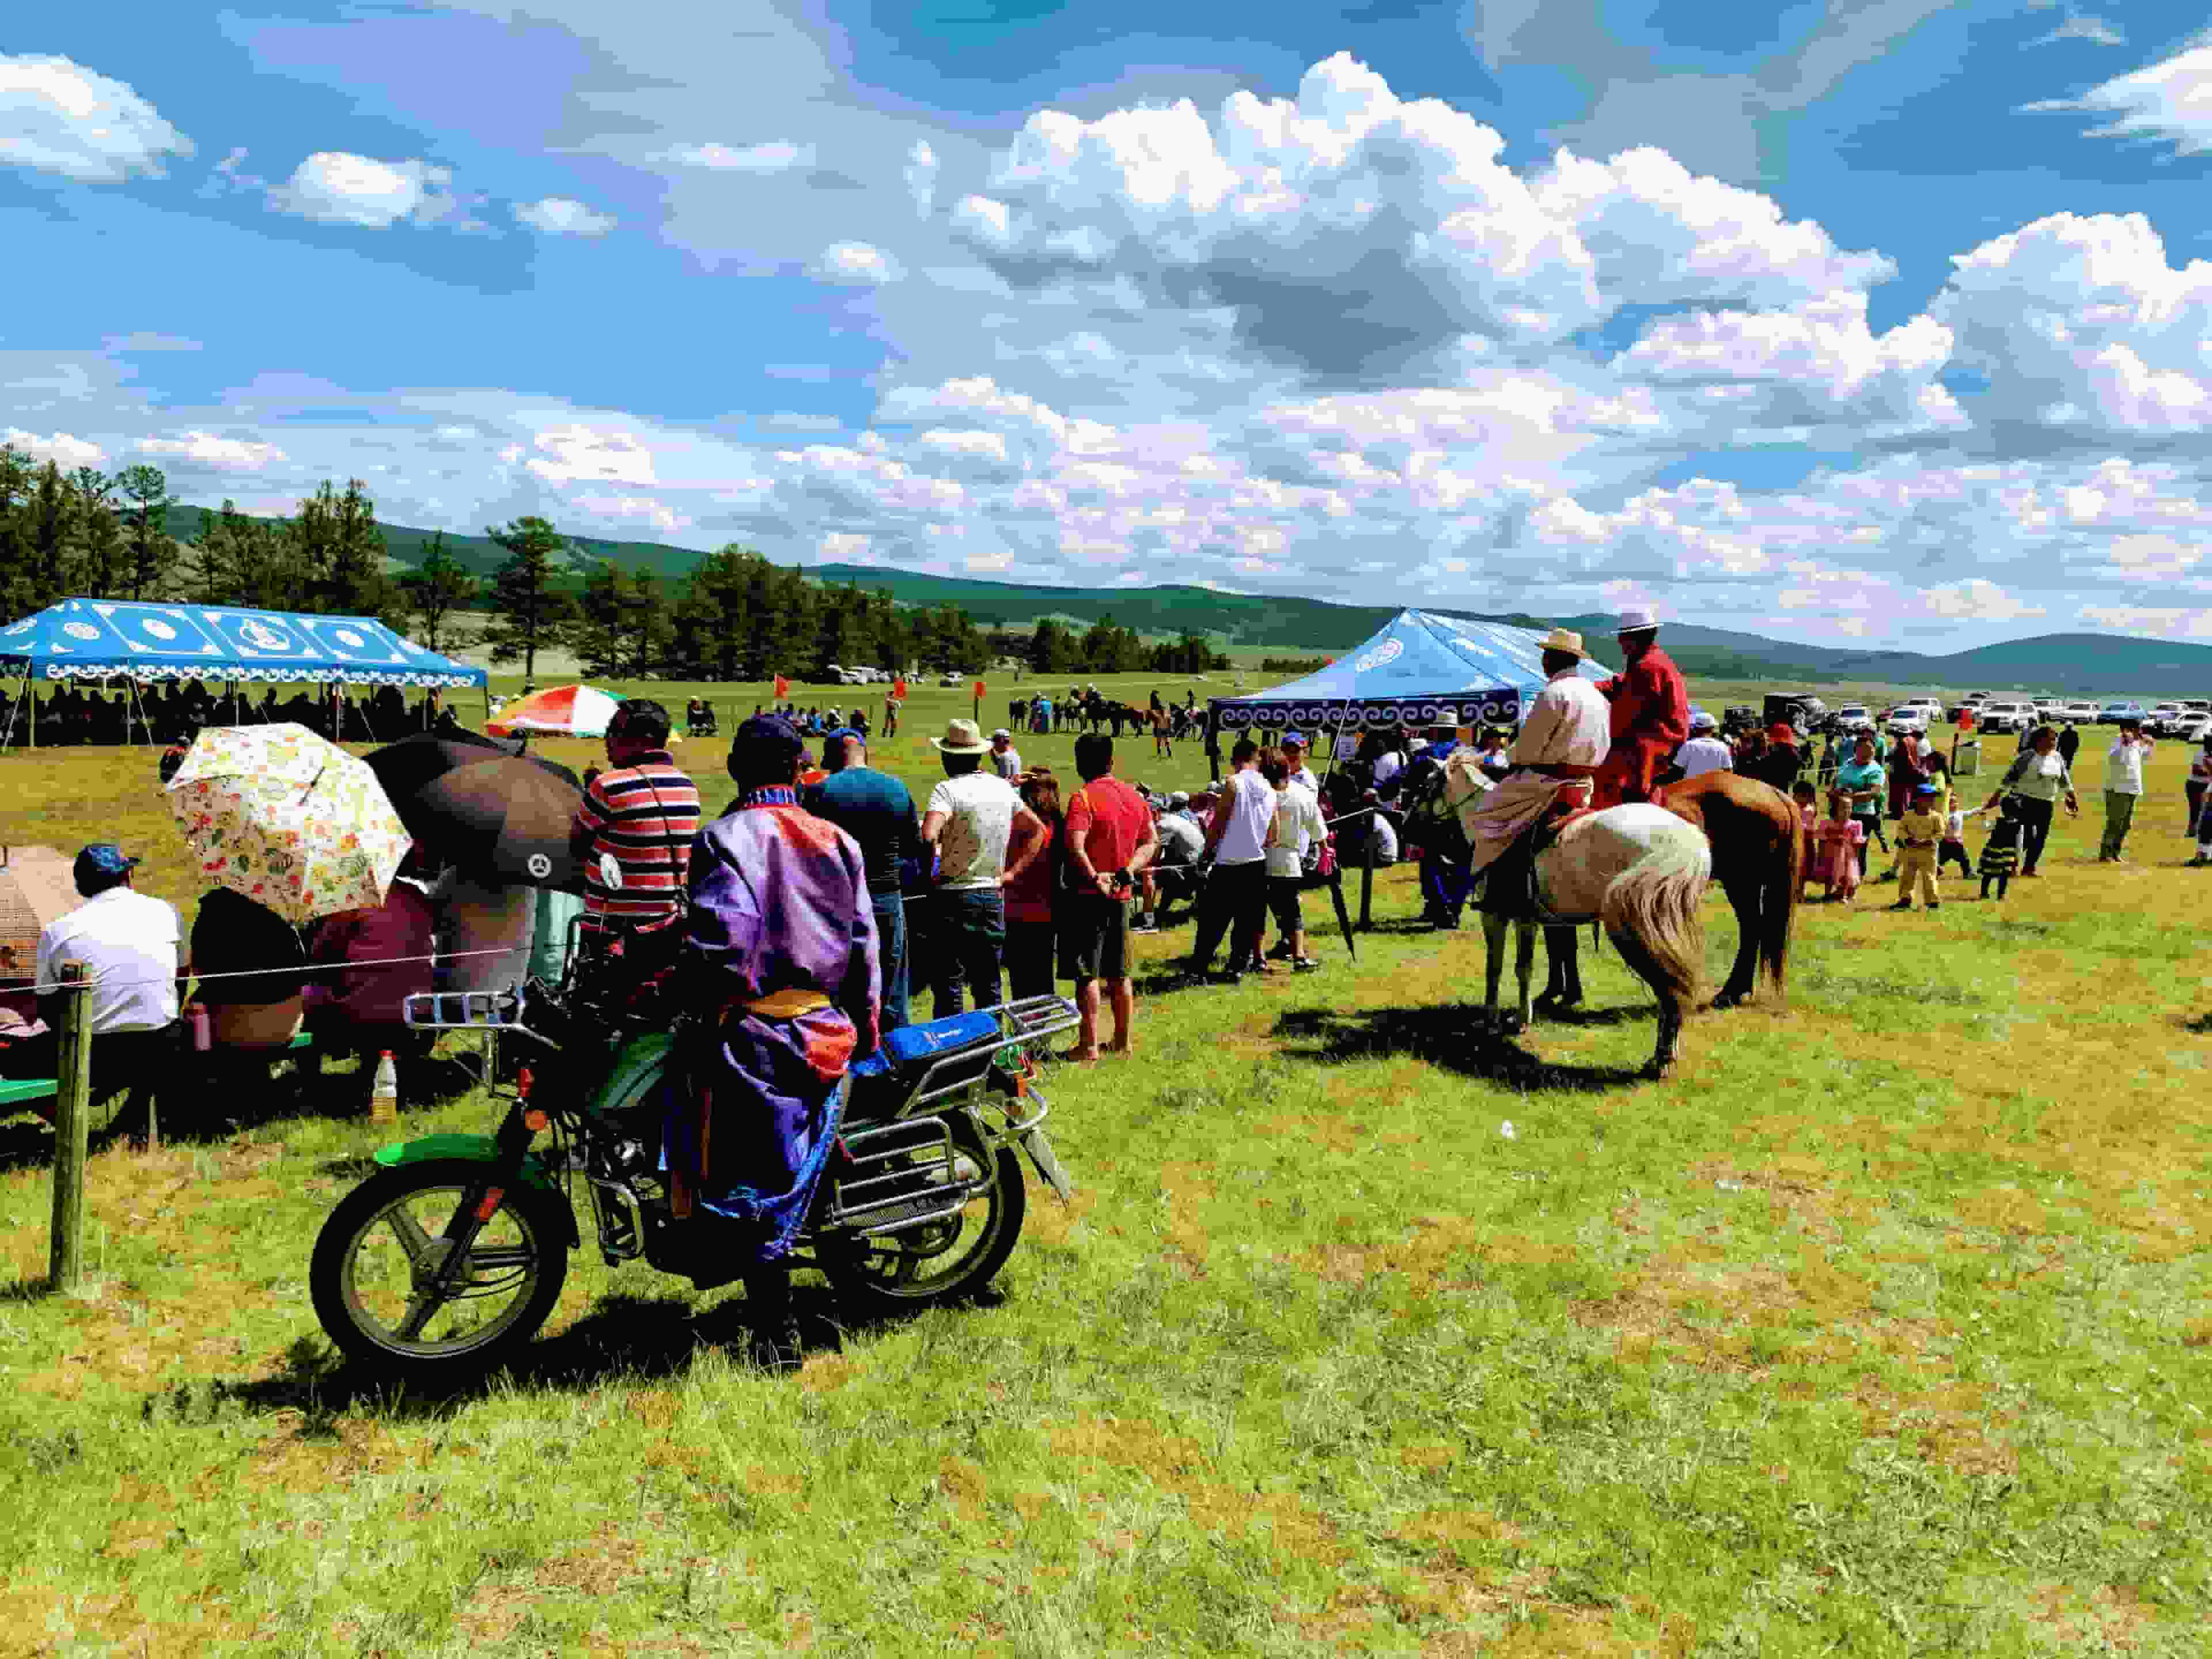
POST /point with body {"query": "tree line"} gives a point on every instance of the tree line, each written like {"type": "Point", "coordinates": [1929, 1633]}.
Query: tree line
{"type": "Point", "coordinates": [736, 616]}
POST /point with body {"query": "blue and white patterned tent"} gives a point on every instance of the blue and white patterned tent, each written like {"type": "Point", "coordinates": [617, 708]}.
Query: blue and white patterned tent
{"type": "Point", "coordinates": [95, 638]}
{"type": "Point", "coordinates": [1423, 669]}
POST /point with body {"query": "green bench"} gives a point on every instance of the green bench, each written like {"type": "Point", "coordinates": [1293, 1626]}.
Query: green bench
{"type": "Point", "coordinates": [23, 1091]}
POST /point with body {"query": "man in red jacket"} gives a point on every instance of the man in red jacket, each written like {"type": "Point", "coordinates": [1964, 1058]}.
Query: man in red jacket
{"type": "Point", "coordinates": [1651, 714]}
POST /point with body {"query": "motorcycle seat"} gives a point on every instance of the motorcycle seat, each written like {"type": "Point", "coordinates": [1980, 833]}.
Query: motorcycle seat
{"type": "Point", "coordinates": [882, 1082]}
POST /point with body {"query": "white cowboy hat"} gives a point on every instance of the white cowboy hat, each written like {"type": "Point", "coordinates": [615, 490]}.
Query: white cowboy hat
{"type": "Point", "coordinates": [1562, 639]}
{"type": "Point", "coordinates": [962, 737]}
{"type": "Point", "coordinates": [1636, 620]}
{"type": "Point", "coordinates": [1700, 720]}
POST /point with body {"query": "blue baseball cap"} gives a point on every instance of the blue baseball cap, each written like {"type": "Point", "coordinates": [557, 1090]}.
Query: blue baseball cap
{"type": "Point", "coordinates": [841, 733]}
{"type": "Point", "coordinates": [102, 864]}
{"type": "Point", "coordinates": [1297, 737]}
{"type": "Point", "coordinates": [1928, 789]}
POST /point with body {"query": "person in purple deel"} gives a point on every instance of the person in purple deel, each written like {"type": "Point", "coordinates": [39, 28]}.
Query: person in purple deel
{"type": "Point", "coordinates": [779, 970]}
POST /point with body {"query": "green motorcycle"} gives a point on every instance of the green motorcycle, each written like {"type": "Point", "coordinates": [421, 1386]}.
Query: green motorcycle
{"type": "Point", "coordinates": [451, 1257]}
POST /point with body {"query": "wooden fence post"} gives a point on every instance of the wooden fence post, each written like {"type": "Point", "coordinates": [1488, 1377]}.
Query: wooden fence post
{"type": "Point", "coordinates": [72, 1116]}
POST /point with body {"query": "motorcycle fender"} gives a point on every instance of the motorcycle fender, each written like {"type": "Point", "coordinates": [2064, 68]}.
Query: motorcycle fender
{"type": "Point", "coordinates": [479, 1148]}
{"type": "Point", "coordinates": [636, 1073]}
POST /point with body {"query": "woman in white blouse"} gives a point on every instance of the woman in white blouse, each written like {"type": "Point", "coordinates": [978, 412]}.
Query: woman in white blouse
{"type": "Point", "coordinates": [2039, 779]}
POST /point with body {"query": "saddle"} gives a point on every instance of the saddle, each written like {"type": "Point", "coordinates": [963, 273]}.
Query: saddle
{"type": "Point", "coordinates": [1508, 885]}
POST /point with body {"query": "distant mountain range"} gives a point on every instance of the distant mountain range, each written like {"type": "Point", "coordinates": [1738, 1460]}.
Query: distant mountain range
{"type": "Point", "coordinates": [2097, 665]}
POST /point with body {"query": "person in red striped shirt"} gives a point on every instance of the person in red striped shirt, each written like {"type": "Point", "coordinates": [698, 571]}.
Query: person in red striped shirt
{"type": "Point", "coordinates": [636, 820]}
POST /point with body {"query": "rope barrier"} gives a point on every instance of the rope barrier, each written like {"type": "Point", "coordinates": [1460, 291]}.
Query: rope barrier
{"type": "Point", "coordinates": [267, 973]}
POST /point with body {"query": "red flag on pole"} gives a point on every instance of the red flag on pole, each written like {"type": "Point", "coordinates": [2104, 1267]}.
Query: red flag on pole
{"type": "Point", "coordinates": [783, 688]}
{"type": "Point", "coordinates": [899, 690]}
{"type": "Point", "coordinates": [979, 691]}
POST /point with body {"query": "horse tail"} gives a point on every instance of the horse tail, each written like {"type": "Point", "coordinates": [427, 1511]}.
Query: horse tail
{"type": "Point", "coordinates": [1652, 913]}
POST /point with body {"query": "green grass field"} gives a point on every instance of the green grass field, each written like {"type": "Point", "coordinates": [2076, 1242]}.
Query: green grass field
{"type": "Point", "coordinates": [1880, 1328]}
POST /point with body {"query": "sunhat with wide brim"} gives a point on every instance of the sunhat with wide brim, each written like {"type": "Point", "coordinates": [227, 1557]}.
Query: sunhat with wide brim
{"type": "Point", "coordinates": [962, 737]}
{"type": "Point", "coordinates": [1562, 639]}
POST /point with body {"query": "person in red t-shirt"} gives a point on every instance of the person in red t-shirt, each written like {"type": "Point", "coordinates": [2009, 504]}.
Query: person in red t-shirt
{"type": "Point", "coordinates": [1109, 837]}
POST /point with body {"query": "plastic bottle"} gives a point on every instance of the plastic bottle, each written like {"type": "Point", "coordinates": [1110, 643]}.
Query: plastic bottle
{"type": "Point", "coordinates": [203, 1027]}
{"type": "Point", "coordinates": [384, 1093]}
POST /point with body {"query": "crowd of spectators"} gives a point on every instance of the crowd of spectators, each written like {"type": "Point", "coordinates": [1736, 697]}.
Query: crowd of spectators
{"type": "Point", "coordinates": [170, 712]}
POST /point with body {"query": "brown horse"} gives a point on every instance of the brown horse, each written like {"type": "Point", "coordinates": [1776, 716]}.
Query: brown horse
{"type": "Point", "coordinates": [1758, 857]}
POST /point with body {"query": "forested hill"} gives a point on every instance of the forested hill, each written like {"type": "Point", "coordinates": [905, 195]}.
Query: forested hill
{"type": "Point", "coordinates": [2088, 663]}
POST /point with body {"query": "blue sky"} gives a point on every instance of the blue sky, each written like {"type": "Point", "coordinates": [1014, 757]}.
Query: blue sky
{"type": "Point", "coordinates": [1873, 321]}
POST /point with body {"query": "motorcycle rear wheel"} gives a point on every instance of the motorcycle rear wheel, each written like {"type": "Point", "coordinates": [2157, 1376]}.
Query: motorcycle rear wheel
{"type": "Point", "coordinates": [375, 1253]}
{"type": "Point", "coordinates": [941, 1261]}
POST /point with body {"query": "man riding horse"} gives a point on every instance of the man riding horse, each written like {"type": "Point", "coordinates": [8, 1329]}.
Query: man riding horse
{"type": "Point", "coordinates": [1562, 745]}
{"type": "Point", "coordinates": [1651, 714]}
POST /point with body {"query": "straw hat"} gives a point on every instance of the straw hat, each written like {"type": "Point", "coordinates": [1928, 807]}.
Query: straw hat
{"type": "Point", "coordinates": [1564, 639]}
{"type": "Point", "coordinates": [962, 737]}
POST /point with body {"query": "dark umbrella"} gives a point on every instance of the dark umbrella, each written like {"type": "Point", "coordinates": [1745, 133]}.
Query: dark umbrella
{"type": "Point", "coordinates": [482, 804]}
{"type": "Point", "coordinates": [1343, 913]}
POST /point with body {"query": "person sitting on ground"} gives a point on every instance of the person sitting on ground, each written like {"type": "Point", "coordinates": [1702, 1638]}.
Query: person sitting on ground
{"type": "Point", "coordinates": [371, 960]}
{"type": "Point", "coordinates": [1172, 874]}
{"type": "Point", "coordinates": [234, 939]}
{"type": "Point", "coordinates": [1110, 841]}
{"type": "Point", "coordinates": [127, 944]}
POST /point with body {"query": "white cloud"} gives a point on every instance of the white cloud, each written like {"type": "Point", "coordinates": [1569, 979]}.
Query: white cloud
{"type": "Point", "coordinates": [560, 216]}
{"type": "Point", "coordinates": [1976, 599]}
{"type": "Point", "coordinates": [338, 187]}
{"type": "Point", "coordinates": [64, 451]}
{"type": "Point", "coordinates": [2149, 619]}
{"type": "Point", "coordinates": [215, 452]}
{"type": "Point", "coordinates": [856, 264]}
{"type": "Point", "coordinates": [2170, 103]}
{"type": "Point", "coordinates": [777, 156]}
{"type": "Point", "coordinates": [578, 453]}
{"type": "Point", "coordinates": [2079, 321]}
{"type": "Point", "coordinates": [2083, 26]}
{"type": "Point", "coordinates": [1352, 232]}
{"type": "Point", "coordinates": [921, 175]}
{"type": "Point", "coordinates": [839, 547]}
{"type": "Point", "coordinates": [56, 116]}
{"type": "Point", "coordinates": [632, 509]}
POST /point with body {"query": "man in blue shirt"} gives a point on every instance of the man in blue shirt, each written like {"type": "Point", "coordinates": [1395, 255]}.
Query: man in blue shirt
{"type": "Point", "coordinates": [877, 810]}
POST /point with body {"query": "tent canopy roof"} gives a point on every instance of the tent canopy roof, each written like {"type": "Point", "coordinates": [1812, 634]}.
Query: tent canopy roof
{"type": "Point", "coordinates": [90, 638]}
{"type": "Point", "coordinates": [1422, 669]}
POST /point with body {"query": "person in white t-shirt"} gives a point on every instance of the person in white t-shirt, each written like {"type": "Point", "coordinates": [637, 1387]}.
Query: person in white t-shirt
{"type": "Point", "coordinates": [1298, 824]}
{"type": "Point", "coordinates": [970, 818]}
{"type": "Point", "coordinates": [1702, 751]}
{"type": "Point", "coordinates": [1005, 759]}
{"type": "Point", "coordinates": [128, 946]}
{"type": "Point", "coordinates": [1294, 752]}
{"type": "Point", "coordinates": [2124, 786]}
{"type": "Point", "coordinates": [1236, 899]}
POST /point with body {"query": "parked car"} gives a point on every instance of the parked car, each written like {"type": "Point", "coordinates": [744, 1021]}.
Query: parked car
{"type": "Point", "coordinates": [2192, 728]}
{"type": "Point", "coordinates": [2159, 718]}
{"type": "Point", "coordinates": [2010, 715]}
{"type": "Point", "coordinates": [1801, 709]}
{"type": "Point", "coordinates": [1906, 717]}
{"type": "Point", "coordinates": [1853, 715]}
{"type": "Point", "coordinates": [2119, 710]}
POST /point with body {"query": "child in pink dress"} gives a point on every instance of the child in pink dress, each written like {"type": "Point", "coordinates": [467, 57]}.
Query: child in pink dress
{"type": "Point", "coordinates": [1841, 836]}
{"type": "Point", "coordinates": [1809, 824]}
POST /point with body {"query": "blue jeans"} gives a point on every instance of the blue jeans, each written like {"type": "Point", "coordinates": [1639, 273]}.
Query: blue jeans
{"type": "Point", "coordinates": [969, 940]}
{"type": "Point", "coordinates": [890, 953]}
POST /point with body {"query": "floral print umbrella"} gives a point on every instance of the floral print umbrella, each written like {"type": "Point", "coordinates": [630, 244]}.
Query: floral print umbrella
{"type": "Point", "coordinates": [291, 821]}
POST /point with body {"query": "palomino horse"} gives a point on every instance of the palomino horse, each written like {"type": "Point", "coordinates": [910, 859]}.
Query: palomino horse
{"type": "Point", "coordinates": [1639, 871]}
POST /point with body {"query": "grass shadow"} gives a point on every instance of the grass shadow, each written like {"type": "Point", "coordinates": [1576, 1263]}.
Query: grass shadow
{"type": "Point", "coordinates": [1447, 1036]}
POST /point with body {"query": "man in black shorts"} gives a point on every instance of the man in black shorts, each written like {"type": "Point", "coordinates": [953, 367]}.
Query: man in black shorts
{"type": "Point", "coordinates": [1110, 839]}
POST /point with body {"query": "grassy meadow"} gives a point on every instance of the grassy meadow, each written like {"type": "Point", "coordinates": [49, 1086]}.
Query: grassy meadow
{"type": "Point", "coordinates": [1880, 1328]}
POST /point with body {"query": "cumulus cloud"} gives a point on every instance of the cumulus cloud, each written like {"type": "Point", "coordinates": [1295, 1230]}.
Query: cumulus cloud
{"type": "Point", "coordinates": [856, 264]}
{"type": "Point", "coordinates": [559, 215]}
{"type": "Point", "coordinates": [1977, 600]}
{"type": "Point", "coordinates": [65, 451]}
{"type": "Point", "coordinates": [2149, 619]}
{"type": "Point", "coordinates": [2168, 103]}
{"type": "Point", "coordinates": [1352, 232]}
{"type": "Point", "coordinates": [632, 509]}
{"type": "Point", "coordinates": [577, 453]}
{"type": "Point", "coordinates": [56, 116]}
{"type": "Point", "coordinates": [214, 453]}
{"type": "Point", "coordinates": [777, 156]}
{"type": "Point", "coordinates": [2083, 26]}
{"type": "Point", "coordinates": [338, 187]}
{"type": "Point", "coordinates": [2079, 321]}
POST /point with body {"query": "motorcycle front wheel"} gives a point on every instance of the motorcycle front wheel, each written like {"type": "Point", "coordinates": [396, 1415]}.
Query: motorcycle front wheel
{"type": "Point", "coordinates": [939, 1260]}
{"type": "Point", "coordinates": [377, 1256]}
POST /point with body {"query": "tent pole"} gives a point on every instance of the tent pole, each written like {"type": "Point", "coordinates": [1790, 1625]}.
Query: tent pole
{"type": "Point", "coordinates": [8, 738]}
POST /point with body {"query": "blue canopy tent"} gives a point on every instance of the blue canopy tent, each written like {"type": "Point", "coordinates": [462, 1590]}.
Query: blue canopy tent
{"type": "Point", "coordinates": [143, 642]}
{"type": "Point", "coordinates": [1422, 669]}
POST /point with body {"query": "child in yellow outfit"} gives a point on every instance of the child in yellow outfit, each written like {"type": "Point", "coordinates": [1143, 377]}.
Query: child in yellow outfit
{"type": "Point", "coordinates": [1919, 834]}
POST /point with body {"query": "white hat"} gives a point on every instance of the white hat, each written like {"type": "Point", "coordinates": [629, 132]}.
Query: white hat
{"type": "Point", "coordinates": [1700, 720]}
{"type": "Point", "coordinates": [1001, 733]}
{"type": "Point", "coordinates": [1636, 620]}
{"type": "Point", "coordinates": [1178, 799]}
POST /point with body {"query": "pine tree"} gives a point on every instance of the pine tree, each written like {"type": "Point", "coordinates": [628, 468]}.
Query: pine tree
{"type": "Point", "coordinates": [251, 562]}
{"type": "Point", "coordinates": [528, 610]}
{"type": "Point", "coordinates": [340, 548]}
{"type": "Point", "coordinates": [436, 588]}
{"type": "Point", "coordinates": [599, 636]}
{"type": "Point", "coordinates": [150, 551]}
{"type": "Point", "coordinates": [50, 520]}
{"type": "Point", "coordinates": [101, 565]}
{"type": "Point", "coordinates": [17, 475]}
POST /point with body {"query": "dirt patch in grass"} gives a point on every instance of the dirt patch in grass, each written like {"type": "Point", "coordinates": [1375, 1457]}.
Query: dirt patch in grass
{"type": "Point", "coordinates": [1438, 1249]}
{"type": "Point", "coordinates": [2107, 1617]}
{"type": "Point", "coordinates": [1948, 1426]}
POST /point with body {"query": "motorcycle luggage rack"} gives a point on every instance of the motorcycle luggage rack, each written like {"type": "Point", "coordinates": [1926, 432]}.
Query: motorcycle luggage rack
{"type": "Point", "coordinates": [903, 1193]}
{"type": "Point", "coordinates": [1029, 1021]}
